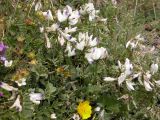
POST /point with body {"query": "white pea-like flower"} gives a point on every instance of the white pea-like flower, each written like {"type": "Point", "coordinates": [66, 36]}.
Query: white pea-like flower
{"type": "Point", "coordinates": [48, 43]}
{"type": "Point", "coordinates": [154, 68]}
{"type": "Point", "coordinates": [61, 40]}
{"type": "Point", "coordinates": [17, 104]}
{"type": "Point", "coordinates": [8, 63]}
{"type": "Point", "coordinates": [52, 28]}
{"type": "Point", "coordinates": [63, 15]}
{"type": "Point", "coordinates": [97, 109]}
{"type": "Point", "coordinates": [7, 87]}
{"type": "Point", "coordinates": [48, 15]}
{"type": "Point", "coordinates": [128, 67]}
{"type": "Point", "coordinates": [76, 117]}
{"type": "Point", "coordinates": [96, 53]}
{"type": "Point", "coordinates": [89, 9]}
{"type": "Point", "coordinates": [70, 50]}
{"type": "Point", "coordinates": [73, 18]}
{"type": "Point", "coordinates": [121, 78]}
{"type": "Point", "coordinates": [107, 79]}
{"type": "Point", "coordinates": [70, 29]}
{"type": "Point", "coordinates": [36, 97]}
{"type": "Point", "coordinates": [38, 6]}
{"type": "Point", "coordinates": [21, 82]}
{"type": "Point", "coordinates": [130, 85]}
{"type": "Point", "coordinates": [147, 84]}
{"type": "Point", "coordinates": [53, 116]}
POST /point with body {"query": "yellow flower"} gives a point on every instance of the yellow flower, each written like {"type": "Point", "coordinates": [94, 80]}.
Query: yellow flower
{"type": "Point", "coordinates": [67, 74]}
{"type": "Point", "coordinates": [84, 110]}
{"type": "Point", "coordinates": [31, 55]}
{"type": "Point", "coordinates": [60, 70]}
{"type": "Point", "coordinates": [33, 62]}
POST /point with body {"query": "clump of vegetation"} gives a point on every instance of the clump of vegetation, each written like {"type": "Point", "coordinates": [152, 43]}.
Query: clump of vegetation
{"type": "Point", "coordinates": [71, 59]}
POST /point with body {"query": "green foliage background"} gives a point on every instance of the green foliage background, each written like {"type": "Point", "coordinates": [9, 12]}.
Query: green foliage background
{"type": "Point", "coordinates": [62, 94]}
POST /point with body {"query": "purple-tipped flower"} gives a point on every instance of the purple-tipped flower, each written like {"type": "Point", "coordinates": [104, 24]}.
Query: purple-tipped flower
{"type": "Point", "coordinates": [1, 94]}
{"type": "Point", "coordinates": [3, 59]}
{"type": "Point", "coordinates": [7, 87]}
{"type": "Point", "coordinates": [2, 49]}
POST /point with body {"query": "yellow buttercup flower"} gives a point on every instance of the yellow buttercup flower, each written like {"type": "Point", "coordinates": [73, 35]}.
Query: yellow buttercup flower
{"type": "Point", "coordinates": [84, 110]}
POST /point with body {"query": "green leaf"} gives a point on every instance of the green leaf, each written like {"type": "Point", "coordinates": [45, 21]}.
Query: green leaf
{"type": "Point", "coordinates": [49, 89]}
{"type": "Point", "coordinates": [109, 102]}
{"type": "Point", "coordinates": [93, 88]}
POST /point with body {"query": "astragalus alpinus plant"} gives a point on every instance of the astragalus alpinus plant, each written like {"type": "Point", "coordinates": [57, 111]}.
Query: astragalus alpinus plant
{"type": "Point", "coordinates": [77, 60]}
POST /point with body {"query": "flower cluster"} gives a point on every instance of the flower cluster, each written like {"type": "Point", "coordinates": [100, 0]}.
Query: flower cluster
{"type": "Point", "coordinates": [68, 36]}
{"type": "Point", "coordinates": [130, 73]}
{"type": "Point", "coordinates": [2, 55]}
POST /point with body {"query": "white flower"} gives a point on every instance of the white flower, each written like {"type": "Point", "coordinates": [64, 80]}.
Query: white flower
{"type": "Point", "coordinates": [128, 67]}
{"type": "Point", "coordinates": [17, 104]}
{"type": "Point", "coordinates": [36, 97]}
{"type": "Point", "coordinates": [80, 45]}
{"type": "Point", "coordinates": [38, 6]}
{"type": "Point", "coordinates": [41, 29]}
{"type": "Point", "coordinates": [147, 83]}
{"type": "Point", "coordinates": [63, 16]}
{"type": "Point", "coordinates": [126, 71]}
{"type": "Point", "coordinates": [85, 40]}
{"type": "Point", "coordinates": [132, 44]}
{"type": "Point", "coordinates": [114, 2]}
{"type": "Point", "coordinates": [109, 79]}
{"type": "Point", "coordinates": [14, 93]}
{"type": "Point", "coordinates": [130, 85]}
{"type": "Point", "coordinates": [88, 56]}
{"type": "Point", "coordinates": [21, 82]}
{"type": "Point", "coordinates": [76, 117]}
{"type": "Point", "coordinates": [61, 40]}
{"type": "Point", "coordinates": [100, 53]}
{"type": "Point", "coordinates": [121, 78]}
{"type": "Point", "coordinates": [70, 30]}
{"type": "Point", "coordinates": [67, 36]}
{"type": "Point", "coordinates": [92, 15]}
{"type": "Point", "coordinates": [48, 43]}
{"type": "Point", "coordinates": [73, 18]}
{"type": "Point", "coordinates": [96, 53]}
{"type": "Point", "coordinates": [154, 68]}
{"type": "Point", "coordinates": [89, 9]}
{"type": "Point", "coordinates": [119, 65]}
{"type": "Point", "coordinates": [147, 76]}
{"type": "Point", "coordinates": [7, 87]}
{"type": "Point", "coordinates": [53, 27]}
{"type": "Point", "coordinates": [81, 41]}
{"type": "Point", "coordinates": [70, 50]}
{"type": "Point", "coordinates": [136, 75]}
{"type": "Point", "coordinates": [92, 42]}
{"type": "Point", "coordinates": [139, 37]}
{"type": "Point", "coordinates": [97, 109]}
{"type": "Point", "coordinates": [48, 15]}
{"type": "Point", "coordinates": [8, 63]}
{"type": "Point", "coordinates": [157, 82]}
{"type": "Point", "coordinates": [53, 116]}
